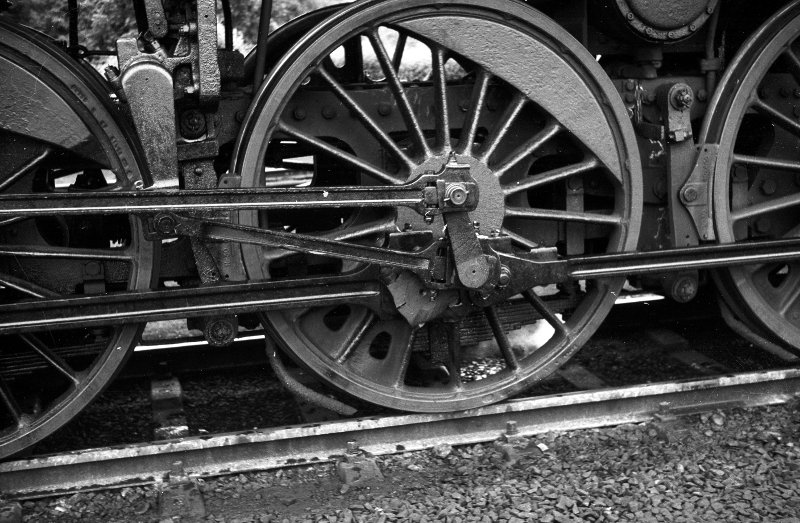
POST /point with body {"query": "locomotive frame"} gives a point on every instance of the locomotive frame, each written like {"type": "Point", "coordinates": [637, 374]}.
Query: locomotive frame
{"type": "Point", "coordinates": [377, 221]}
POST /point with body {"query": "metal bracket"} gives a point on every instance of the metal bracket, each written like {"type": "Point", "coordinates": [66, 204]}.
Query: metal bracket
{"type": "Point", "coordinates": [676, 101]}
{"type": "Point", "coordinates": [697, 193]}
{"type": "Point", "coordinates": [208, 65]}
{"type": "Point", "coordinates": [156, 20]}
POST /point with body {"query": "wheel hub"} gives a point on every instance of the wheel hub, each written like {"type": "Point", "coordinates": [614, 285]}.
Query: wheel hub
{"type": "Point", "coordinates": [487, 217]}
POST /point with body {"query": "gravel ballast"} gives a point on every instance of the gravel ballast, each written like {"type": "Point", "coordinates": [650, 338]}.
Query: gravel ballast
{"type": "Point", "coordinates": [739, 465]}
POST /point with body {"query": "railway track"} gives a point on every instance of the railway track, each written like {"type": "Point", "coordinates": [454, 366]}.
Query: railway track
{"type": "Point", "coordinates": [239, 452]}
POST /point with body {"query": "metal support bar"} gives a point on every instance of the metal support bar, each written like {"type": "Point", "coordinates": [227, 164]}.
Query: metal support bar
{"type": "Point", "coordinates": [417, 195]}
{"type": "Point", "coordinates": [140, 306]}
{"type": "Point", "coordinates": [221, 231]}
{"type": "Point", "coordinates": [677, 260]}
{"type": "Point", "coordinates": [257, 450]}
{"type": "Point", "coordinates": [261, 45]}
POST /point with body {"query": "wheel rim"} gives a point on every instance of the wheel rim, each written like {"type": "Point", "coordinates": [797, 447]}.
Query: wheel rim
{"type": "Point", "coordinates": [47, 377]}
{"type": "Point", "coordinates": [757, 176]}
{"type": "Point", "coordinates": [397, 129]}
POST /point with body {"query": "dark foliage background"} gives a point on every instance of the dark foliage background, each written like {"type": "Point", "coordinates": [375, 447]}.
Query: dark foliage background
{"type": "Point", "coordinates": [101, 22]}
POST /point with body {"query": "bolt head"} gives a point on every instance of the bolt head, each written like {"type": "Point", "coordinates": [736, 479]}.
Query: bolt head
{"type": "Point", "coordinates": [768, 187]}
{"type": "Point", "coordinates": [763, 225]}
{"type": "Point", "coordinates": [166, 224]}
{"type": "Point", "coordinates": [456, 194]}
{"type": "Point", "coordinates": [690, 194]}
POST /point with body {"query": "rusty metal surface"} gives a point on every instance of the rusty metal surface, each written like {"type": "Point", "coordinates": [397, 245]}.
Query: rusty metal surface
{"type": "Point", "coordinates": [304, 444]}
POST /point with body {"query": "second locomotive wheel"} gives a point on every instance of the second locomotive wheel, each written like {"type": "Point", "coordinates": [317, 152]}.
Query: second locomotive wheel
{"type": "Point", "coordinates": [66, 138]}
{"type": "Point", "coordinates": [383, 92]}
{"type": "Point", "coordinates": [753, 117]}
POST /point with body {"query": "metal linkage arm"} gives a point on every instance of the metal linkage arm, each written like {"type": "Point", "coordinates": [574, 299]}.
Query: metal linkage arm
{"type": "Point", "coordinates": [171, 224]}
{"type": "Point", "coordinates": [422, 195]}
{"type": "Point", "coordinates": [534, 270]}
{"type": "Point", "coordinates": [141, 306]}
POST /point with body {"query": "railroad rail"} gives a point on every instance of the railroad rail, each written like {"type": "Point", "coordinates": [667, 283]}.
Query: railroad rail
{"type": "Point", "coordinates": [256, 450]}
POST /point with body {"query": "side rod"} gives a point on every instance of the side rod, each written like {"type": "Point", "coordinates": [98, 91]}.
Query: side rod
{"type": "Point", "coordinates": [147, 202]}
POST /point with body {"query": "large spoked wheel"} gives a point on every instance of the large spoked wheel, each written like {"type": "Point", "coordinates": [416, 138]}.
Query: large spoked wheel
{"type": "Point", "coordinates": [65, 137]}
{"type": "Point", "coordinates": [753, 117]}
{"type": "Point", "coordinates": [383, 92]}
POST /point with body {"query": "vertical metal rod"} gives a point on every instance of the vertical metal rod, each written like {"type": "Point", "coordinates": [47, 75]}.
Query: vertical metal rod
{"type": "Point", "coordinates": [72, 13]}
{"type": "Point", "coordinates": [226, 10]}
{"type": "Point", "coordinates": [261, 46]}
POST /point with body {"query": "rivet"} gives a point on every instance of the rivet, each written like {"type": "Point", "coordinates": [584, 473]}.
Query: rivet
{"type": "Point", "coordinates": [630, 16]}
{"type": "Point", "coordinates": [768, 187]}
{"type": "Point", "coordinates": [690, 194]}
{"type": "Point", "coordinates": [299, 113]}
{"type": "Point", "coordinates": [329, 113]}
{"type": "Point", "coordinates": [763, 225]}
{"type": "Point", "coordinates": [92, 269]}
{"type": "Point", "coordinates": [463, 105]}
{"type": "Point", "coordinates": [384, 109]}
{"type": "Point", "coordinates": [198, 171]}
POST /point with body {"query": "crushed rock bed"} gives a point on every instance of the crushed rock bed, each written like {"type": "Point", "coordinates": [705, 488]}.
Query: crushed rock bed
{"type": "Point", "coordinates": [739, 465]}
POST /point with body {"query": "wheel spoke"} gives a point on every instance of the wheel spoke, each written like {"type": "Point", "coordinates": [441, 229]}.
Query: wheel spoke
{"type": "Point", "coordinates": [399, 49]}
{"type": "Point", "coordinates": [777, 204]}
{"type": "Point", "coordinates": [779, 118]}
{"type": "Point", "coordinates": [366, 119]}
{"type": "Point", "coordinates": [466, 142]}
{"type": "Point", "coordinates": [10, 403]}
{"type": "Point", "coordinates": [438, 59]}
{"type": "Point", "coordinates": [338, 153]}
{"type": "Point", "coordinates": [551, 176]}
{"type": "Point", "coordinates": [24, 169]}
{"type": "Point", "coordinates": [49, 251]}
{"type": "Point", "coordinates": [554, 214]}
{"type": "Point", "coordinates": [520, 239]}
{"type": "Point", "coordinates": [772, 163]}
{"type": "Point", "coordinates": [539, 139]}
{"type": "Point", "coordinates": [789, 299]}
{"type": "Point", "coordinates": [354, 339]}
{"type": "Point", "coordinates": [793, 62]}
{"type": "Point", "coordinates": [541, 307]}
{"type": "Point", "coordinates": [52, 358]}
{"type": "Point", "coordinates": [26, 287]}
{"type": "Point", "coordinates": [396, 86]}
{"type": "Point", "coordinates": [453, 332]}
{"type": "Point", "coordinates": [500, 336]}
{"type": "Point", "coordinates": [503, 125]}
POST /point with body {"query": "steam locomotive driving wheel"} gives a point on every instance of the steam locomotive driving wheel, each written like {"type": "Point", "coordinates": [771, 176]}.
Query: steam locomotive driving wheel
{"type": "Point", "coordinates": [384, 92]}
{"type": "Point", "coordinates": [753, 117]}
{"type": "Point", "coordinates": [60, 134]}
